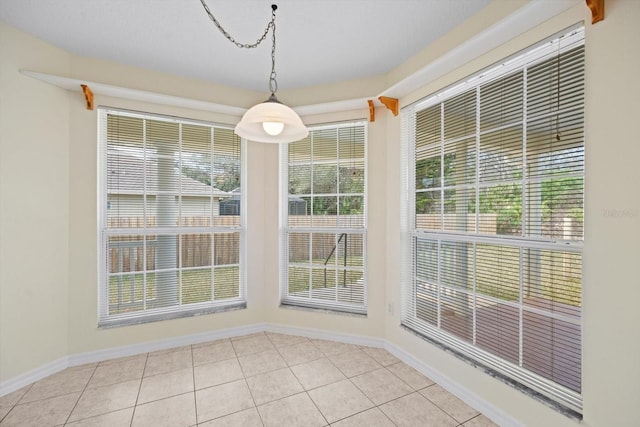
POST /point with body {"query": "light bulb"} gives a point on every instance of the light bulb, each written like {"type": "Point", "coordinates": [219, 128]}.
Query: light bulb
{"type": "Point", "coordinates": [273, 128]}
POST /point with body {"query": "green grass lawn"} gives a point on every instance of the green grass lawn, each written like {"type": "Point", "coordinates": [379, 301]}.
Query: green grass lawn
{"type": "Point", "coordinates": [302, 278]}
{"type": "Point", "coordinates": [126, 291]}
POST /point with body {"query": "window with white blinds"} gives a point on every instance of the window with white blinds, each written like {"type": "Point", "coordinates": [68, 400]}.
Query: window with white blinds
{"type": "Point", "coordinates": [323, 219]}
{"type": "Point", "coordinates": [494, 219]}
{"type": "Point", "coordinates": [171, 223]}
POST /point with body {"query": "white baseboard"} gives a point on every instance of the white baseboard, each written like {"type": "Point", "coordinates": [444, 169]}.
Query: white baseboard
{"type": "Point", "coordinates": [472, 399]}
{"type": "Point", "coordinates": [487, 409]}
{"type": "Point", "coordinates": [43, 371]}
{"type": "Point", "coordinates": [16, 383]}
{"type": "Point", "coordinates": [325, 335]}
{"type": "Point", "coordinates": [147, 347]}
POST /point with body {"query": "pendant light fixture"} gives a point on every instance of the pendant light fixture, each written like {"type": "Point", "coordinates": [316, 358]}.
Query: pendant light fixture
{"type": "Point", "coordinates": [270, 121]}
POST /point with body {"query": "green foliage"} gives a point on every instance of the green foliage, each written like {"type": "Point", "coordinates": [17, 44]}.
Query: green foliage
{"type": "Point", "coordinates": [558, 196]}
{"type": "Point", "coordinates": [506, 202]}
{"type": "Point", "coordinates": [226, 171]}
{"type": "Point", "coordinates": [428, 171]}
{"type": "Point", "coordinates": [326, 180]}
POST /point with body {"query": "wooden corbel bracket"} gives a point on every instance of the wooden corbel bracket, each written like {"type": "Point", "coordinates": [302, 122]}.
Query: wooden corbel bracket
{"type": "Point", "coordinates": [88, 96]}
{"type": "Point", "coordinates": [390, 103]}
{"type": "Point", "coordinates": [372, 111]}
{"type": "Point", "coordinates": [597, 10]}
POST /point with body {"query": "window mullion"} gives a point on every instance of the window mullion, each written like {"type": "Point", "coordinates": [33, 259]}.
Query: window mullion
{"type": "Point", "coordinates": [180, 218]}
{"type": "Point", "coordinates": [525, 220]}
{"type": "Point", "coordinates": [212, 225]}
{"type": "Point", "coordinates": [145, 221]}
{"type": "Point", "coordinates": [439, 244]}
{"type": "Point", "coordinates": [477, 214]}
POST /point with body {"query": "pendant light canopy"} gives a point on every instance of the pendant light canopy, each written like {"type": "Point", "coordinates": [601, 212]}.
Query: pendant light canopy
{"type": "Point", "coordinates": [270, 121]}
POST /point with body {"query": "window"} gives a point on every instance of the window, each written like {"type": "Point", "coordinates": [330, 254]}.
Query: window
{"type": "Point", "coordinates": [323, 227]}
{"type": "Point", "coordinates": [171, 240]}
{"type": "Point", "coordinates": [494, 230]}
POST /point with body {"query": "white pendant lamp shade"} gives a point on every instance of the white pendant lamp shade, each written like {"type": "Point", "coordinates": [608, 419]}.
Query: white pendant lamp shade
{"type": "Point", "coordinates": [271, 121]}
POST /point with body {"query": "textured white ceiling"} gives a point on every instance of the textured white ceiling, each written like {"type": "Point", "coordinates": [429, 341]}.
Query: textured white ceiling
{"type": "Point", "coordinates": [318, 41]}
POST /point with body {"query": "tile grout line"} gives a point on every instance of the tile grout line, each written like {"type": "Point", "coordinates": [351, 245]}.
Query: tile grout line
{"type": "Point", "coordinates": [443, 409]}
{"type": "Point", "coordinates": [66, 421]}
{"type": "Point", "coordinates": [472, 418]}
{"type": "Point", "coordinates": [428, 400]}
{"type": "Point", "coordinates": [42, 398]}
{"type": "Point", "coordinates": [193, 377]}
{"type": "Point", "coordinates": [307, 391]}
{"type": "Point", "coordinates": [316, 406]}
{"type": "Point", "coordinates": [244, 377]}
{"type": "Point", "coordinates": [412, 387]}
{"type": "Point", "coordinates": [374, 404]}
{"type": "Point", "coordinates": [25, 393]}
{"type": "Point", "coordinates": [253, 399]}
{"type": "Point", "coordinates": [146, 359]}
{"type": "Point", "coordinates": [18, 401]}
{"type": "Point", "coordinates": [365, 410]}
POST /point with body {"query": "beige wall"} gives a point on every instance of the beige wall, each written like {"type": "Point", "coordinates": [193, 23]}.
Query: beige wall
{"type": "Point", "coordinates": [63, 293]}
{"type": "Point", "coordinates": [34, 211]}
{"type": "Point", "coordinates": [612, 241]}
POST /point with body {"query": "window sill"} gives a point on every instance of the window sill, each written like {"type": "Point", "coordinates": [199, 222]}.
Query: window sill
{"type": "Point", "coordinates": [343, 312]}
{"type": "Point", "coordinates": [116, 323]}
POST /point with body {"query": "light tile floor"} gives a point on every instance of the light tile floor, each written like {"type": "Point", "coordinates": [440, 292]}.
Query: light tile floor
{"type": "Point", "coordinates": [263, 379]}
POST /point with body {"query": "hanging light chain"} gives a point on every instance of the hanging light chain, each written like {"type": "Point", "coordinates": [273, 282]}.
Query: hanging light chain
{"type": "Point", "coordinates": [224, 32]}
{"type": "Point", "coordinates": [273, 84]}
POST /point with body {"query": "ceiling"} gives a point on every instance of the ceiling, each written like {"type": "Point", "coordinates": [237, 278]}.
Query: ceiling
{"type": "Point", "coordinates": [318, 41]}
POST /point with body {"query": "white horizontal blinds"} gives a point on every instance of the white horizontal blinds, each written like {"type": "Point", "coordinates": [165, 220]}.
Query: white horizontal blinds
{"type": "Point", "coordinates": [497, 190]}
{"type": "Point", "coordinates": [555, 211]}
{"type": "Point", "coordinates": [169, 244]}
{"type": "Point", "coordinates": [325, 226]}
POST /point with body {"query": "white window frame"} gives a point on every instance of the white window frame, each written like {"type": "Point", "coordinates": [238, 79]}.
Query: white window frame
{"type": "Point", "coordinates": [106, 320]}
{"type": "Point", "coordinates": [566, 400]}
{"type": "Point", "coordinates": [334, 305]}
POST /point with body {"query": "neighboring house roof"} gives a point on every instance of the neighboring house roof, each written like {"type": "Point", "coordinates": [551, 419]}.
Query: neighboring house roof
{"type": "Point", "coordinates": [125, 176]}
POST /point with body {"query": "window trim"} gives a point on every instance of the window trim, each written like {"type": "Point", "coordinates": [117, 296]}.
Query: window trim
{"type": "Point", "coordinates": [310, 303]}
{"type": "Point", "coordinates": [106, 321]}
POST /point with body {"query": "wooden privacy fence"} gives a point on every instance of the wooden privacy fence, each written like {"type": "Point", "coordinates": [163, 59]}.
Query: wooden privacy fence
{"type": "Point", "coordinates": [187, 221]}
{"type": "Point", "coordinates": [127, 253]}
{"type": "Point", "coordinates": [487, 223]}
{"type": "Point", "coordinates": [322, 243]}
